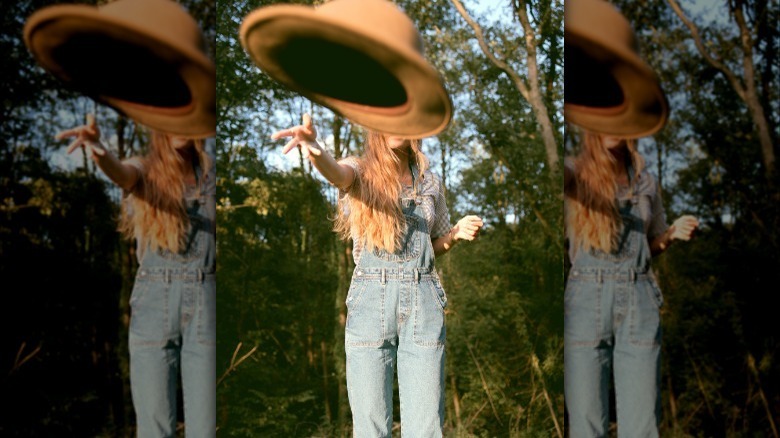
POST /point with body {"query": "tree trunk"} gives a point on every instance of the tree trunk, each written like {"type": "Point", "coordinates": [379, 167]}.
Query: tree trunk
{"type": "Point", "coordinates": [745, 87]}
{"type": "Point", "coordinates": [531, 91]}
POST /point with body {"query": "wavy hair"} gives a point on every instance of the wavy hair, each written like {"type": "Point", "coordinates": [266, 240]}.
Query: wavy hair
{"type": "Point", "coordinates": [154, 212]}
{"type": "Point", "coordinates": [592, 216]}
{"type": "Point", "coordinates": [371, 213]}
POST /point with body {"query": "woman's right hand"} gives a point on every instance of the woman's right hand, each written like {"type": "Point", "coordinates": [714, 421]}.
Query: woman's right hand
{"type": "Point", "coordinates": [304, 136]}
{"type": "Point", "coordinates": [87, 136]}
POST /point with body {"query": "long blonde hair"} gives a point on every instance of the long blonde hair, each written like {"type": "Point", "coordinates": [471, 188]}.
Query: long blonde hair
{"type": "Point", "coordinates": [155, 213]}
{"type": "Point", "coordinates": [592, 216]}
{"type": "Point", "coordinates": [372, 211]}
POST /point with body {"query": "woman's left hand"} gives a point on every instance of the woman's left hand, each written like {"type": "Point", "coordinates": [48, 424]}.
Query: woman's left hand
{"type": "Point", "coordinates": [683, 228]}
{"type": "Point", "coordinates": [467, 228]}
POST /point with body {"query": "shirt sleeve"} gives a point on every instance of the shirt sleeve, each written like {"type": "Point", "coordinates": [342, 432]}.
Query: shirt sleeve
{"type": "Point", "coordinates": [441, 214]}
{"type": "Point", "coordinates": [355, 165]}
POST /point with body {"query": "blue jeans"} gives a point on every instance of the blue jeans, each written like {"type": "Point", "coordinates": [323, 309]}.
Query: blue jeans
{"type": "Point", "coordinates": [612, 323]}
{"type": "Point", "coordinates": [398, 323]}
{"type": "Point", "coordinates": [173, 325]}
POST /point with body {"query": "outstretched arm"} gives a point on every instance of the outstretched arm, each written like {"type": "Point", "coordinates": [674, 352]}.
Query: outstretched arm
{"type": "Point", "coordinates": [305, 137]}
{"type": "Point", "coordinates": [88, 137]}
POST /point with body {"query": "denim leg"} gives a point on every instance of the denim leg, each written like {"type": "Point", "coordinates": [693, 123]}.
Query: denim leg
{"type": "Point", "coordinates": [637, 365]}
{"type": "Point", "coordinates": [421, 365]}
{"type": "Point", "coordinates": [154, 357]}
{"type": "Point", "coordinates": [153, 378]}
{"type": "Point", "coordinates": [586, 389]}
{"type": "Point", "coordinates": [198, 365]}
{"type": "Point", "coordinates": [370, 372]}
{"type": "Point", "coordinates": [637, 379]}
{"type": "Point", "coordinates": [587, 356]}
{"type": "Point", "coordinates": [371, 348]}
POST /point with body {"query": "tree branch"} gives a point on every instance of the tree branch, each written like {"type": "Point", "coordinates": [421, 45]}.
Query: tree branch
{"type": "Point", "coordinates": [732, 78]}
{"type": "Point", "coordinates": [530, 91]}
{"type": "Point", "coordinates": [518, 81]}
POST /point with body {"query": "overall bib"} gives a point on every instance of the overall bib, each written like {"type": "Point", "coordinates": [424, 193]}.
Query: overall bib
{"type": "Point", "coordinates": [173, 325]}
{"type": "Point", "coordinates": [612, 324]}
{"type": "Point", "coordinates": [395, 317]}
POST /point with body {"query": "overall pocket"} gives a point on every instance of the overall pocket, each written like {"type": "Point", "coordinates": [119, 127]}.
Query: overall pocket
{"type": "Point", "coordinates": [582, 312]}
{"type": "Point", "coordinates": [430, 301]}
{"type": "Point", "coordinates": [149, 320]}
{"type": "Point", "coordinates": [207, 312]}
{"type": "Point", "coordinates": [365, 325]}
{"type": "Point", "coordinates": [645, 314]}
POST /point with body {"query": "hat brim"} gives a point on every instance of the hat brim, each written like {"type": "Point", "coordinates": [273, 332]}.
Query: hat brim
{"type": "Point", "coordinates": [162, 84]}
{"type": "Point", "coordinates": [380, 84]}
{"type": "Point", "coordinates": [610, 90]}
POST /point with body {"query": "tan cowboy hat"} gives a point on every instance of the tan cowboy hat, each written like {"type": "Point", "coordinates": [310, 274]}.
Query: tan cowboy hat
{"type": "Point", "coordinates": [360, 58]}
{"type": "Point", "coordinates": [141, 57]}
{"type": "Point", "coordinates": [608, 89]}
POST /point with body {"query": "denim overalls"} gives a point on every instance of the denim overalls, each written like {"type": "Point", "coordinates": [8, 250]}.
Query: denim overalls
{"type": "Point", "coordinates": [612, 320]}
{"type": "Point", "coordinates": [173, 324]}
{"type": "Point", "coordinates": [396, 317]}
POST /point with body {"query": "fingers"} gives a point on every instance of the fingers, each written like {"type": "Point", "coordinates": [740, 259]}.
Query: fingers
{"type": "Point", "coordinates": [68, 133]}
{"type": "Point", "coordinates": [468, 228]}
{"type": "Point", "coordinates": [308, 125]}
{"type": "Point", "coordinates": [472, 221]}
{"type": "Point", "coordinates": [72, 147]}
{"type": "Point", "coordinates": [91, 124]}
{"type": "Point", "coordinates": [290, 144]}
{"type": "Point", "coordinates": [284, 133]}
{"type": "Point", "coordinates": [688, 219]}
{"type": "Point", "coordinates": [96, 150]}
{"type": "Point", "coordinates": [684, 227]}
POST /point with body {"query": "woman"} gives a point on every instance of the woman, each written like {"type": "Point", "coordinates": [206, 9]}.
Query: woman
{"type": "Point", "coordinates": [615, 223]}
{"type": "Point", "coordinates": [170, 211]}
{"type": "Point", "coordinates": [394, 210]}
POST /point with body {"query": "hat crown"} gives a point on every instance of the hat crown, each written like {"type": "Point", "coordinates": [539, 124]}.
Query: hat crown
{"type": "Point", "coordinates": [158, 16]}
{"type": "Point", "coordinates": [583, 16]}
{"type": "Point", "coordinates": [374, 17]}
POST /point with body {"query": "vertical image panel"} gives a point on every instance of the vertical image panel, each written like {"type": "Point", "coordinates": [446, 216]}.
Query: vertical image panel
{"type": "Point", "coordinates": [107, 235]}
{"type": "Point", "coordinates": [671, 217]}
{"type": "Point", "coordinates": [390, 218]}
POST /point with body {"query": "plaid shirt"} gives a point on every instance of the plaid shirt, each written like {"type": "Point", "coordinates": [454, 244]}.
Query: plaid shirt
{"type": "Point", "coordinates": [434, 203]}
